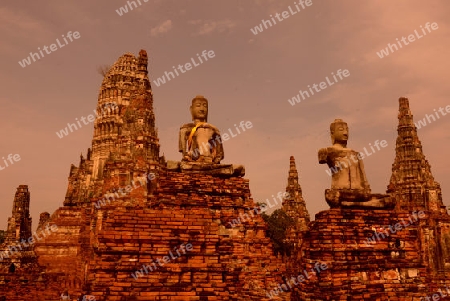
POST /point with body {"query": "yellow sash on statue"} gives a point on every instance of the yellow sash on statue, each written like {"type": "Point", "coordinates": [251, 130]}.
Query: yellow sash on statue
{"type": "Point", "coordinates": [193, 132]}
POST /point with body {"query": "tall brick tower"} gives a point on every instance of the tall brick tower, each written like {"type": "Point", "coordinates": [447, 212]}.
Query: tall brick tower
{"type": "Point", "coordinates": [14, 253]}
{"type": "Point", "coordinates": [125, 148]}
{"type": "Point", "coordinates": [295, 207]}
{"type": "Point", "coordinates": [125, 125]}
{"type": "Point", "coordinates": [414, 188]}
{"type": "Point", "coordinates": [294, 204]}
{"type": "Point", "coordinates": [412, 182]}
{"type": "Point", "coordinates": [125, 143]}
{"type": "Point", "coordinates": [19, 224]}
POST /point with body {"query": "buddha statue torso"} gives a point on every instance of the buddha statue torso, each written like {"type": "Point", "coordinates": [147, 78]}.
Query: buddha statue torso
{"type": "Point", "coordinates": [201, 143]}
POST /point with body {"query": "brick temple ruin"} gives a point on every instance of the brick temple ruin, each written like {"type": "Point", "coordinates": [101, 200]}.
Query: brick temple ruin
{"type": "Point", "coordinates": [134, 226]}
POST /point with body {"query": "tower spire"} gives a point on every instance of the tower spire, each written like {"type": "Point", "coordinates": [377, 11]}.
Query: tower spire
{"type": "Point", "coordinates": [125, 144]}
{"type": "Point", "coordinates": [412, 182]}
{"type": "Point", "coordinates": [125, 120]}
{"type": "Point", "coordinates": [294, 204]}
{"type": "Point", "coordinates": [19, 224]}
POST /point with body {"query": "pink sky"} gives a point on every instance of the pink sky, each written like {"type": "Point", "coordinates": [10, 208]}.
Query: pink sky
{"type": "Point", "coordinates": [250, 78]}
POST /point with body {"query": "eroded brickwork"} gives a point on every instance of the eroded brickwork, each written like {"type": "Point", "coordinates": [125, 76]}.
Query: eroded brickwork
{"type": "Point", "coordinates": [124, 211]}
{"type": "Point", "coordinates": [226, 263]}
{"type": "Point", "coordinates": [368, 258]}
{"type": "Point", "coordinates": [123, 208]}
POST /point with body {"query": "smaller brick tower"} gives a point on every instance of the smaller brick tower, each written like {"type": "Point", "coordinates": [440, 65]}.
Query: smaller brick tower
{"type": "Point", "coordinates": [16, 255]}
{"type": "Point", "coordinates": [412, 182]}
{"type": "Point", "coordinates": [295, 207]}
{"type": "Point", "coordinates": [294, 204]}
{"type": "Point", "coordinates": [414, 187]}
{"type": "Point", "coordinates": [19, 224]}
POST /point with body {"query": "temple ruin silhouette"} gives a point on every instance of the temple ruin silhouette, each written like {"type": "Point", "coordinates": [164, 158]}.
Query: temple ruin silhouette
{"type": "Point", "coordinates": [129, 215]}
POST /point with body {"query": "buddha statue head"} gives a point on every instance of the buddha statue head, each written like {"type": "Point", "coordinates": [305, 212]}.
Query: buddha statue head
{"type": "Point", "coordinates": [339, 132]}
{"type": "Point", "coordinates": [199, 109]}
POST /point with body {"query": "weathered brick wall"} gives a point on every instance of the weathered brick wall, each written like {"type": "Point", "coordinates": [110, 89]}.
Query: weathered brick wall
{"type": "Point", "coordinates": [31, 286]}
{"type": "Point", "coordinates": [391, 268]}
{"type": "Point", "coordinates": [62, 254]}
{"type": "Point", "coordinates": [226, 263]}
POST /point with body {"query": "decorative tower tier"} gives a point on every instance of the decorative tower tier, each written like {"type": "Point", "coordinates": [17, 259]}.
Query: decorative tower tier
{"type": "Point", "coordinates": [124, 132]}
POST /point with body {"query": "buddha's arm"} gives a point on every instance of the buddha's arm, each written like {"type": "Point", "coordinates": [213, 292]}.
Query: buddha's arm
{"type": "Point", "coordinates": [363, 175]}
{"type": "Point", "coordinates": [220, 154]}
{"type": "Point", "coordinates": [323, 155]}
{"type": "Point", "coordinates": [182, 141]}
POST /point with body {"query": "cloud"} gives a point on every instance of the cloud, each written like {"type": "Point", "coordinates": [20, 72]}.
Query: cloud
{"type": "Point", "coordinates": [20, 30]}
{"type": "Point", "coordinates": [161, 29]}
{"type": "Point", "coordinates": [208, 26]}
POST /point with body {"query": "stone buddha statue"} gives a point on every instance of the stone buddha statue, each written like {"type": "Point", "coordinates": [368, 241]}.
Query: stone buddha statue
{"type": "Point", "coordinates": [201, 145]}
{"type": "Point", "coordinates": [200, 141]}
{"type": "Point", "coordinates": [349, 185]}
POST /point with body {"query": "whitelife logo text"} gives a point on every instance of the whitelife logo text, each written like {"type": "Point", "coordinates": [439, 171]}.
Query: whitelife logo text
{"type": "Point", "coordinates": [53, 47]}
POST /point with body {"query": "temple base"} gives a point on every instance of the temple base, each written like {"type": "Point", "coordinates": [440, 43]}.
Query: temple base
{"type": "Point", "coordinates": [347, 198]}
{"type": "Point", "coordinates": [226, 170]}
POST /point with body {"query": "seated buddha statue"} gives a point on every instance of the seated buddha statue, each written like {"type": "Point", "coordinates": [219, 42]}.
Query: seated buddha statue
{"type": "Point", "coordinates": [201, 145]}
{"type": "Point", "coordinates": [349, 185]}
{"type": "Point", "coordinates": [200, 141]}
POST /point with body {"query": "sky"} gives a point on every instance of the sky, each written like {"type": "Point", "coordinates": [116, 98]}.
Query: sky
{"type": "Point", "coordinates": [251, 77]}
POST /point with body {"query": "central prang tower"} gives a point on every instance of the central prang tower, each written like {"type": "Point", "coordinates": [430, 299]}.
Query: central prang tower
{"type": "Point", "coordinates": [125, 143]}
{"type": "Point", "coordinates": [125, 124]}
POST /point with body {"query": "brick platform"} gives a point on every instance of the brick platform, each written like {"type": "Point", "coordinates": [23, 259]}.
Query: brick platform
{"type": "Point", "coordinates": [225, 263]}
